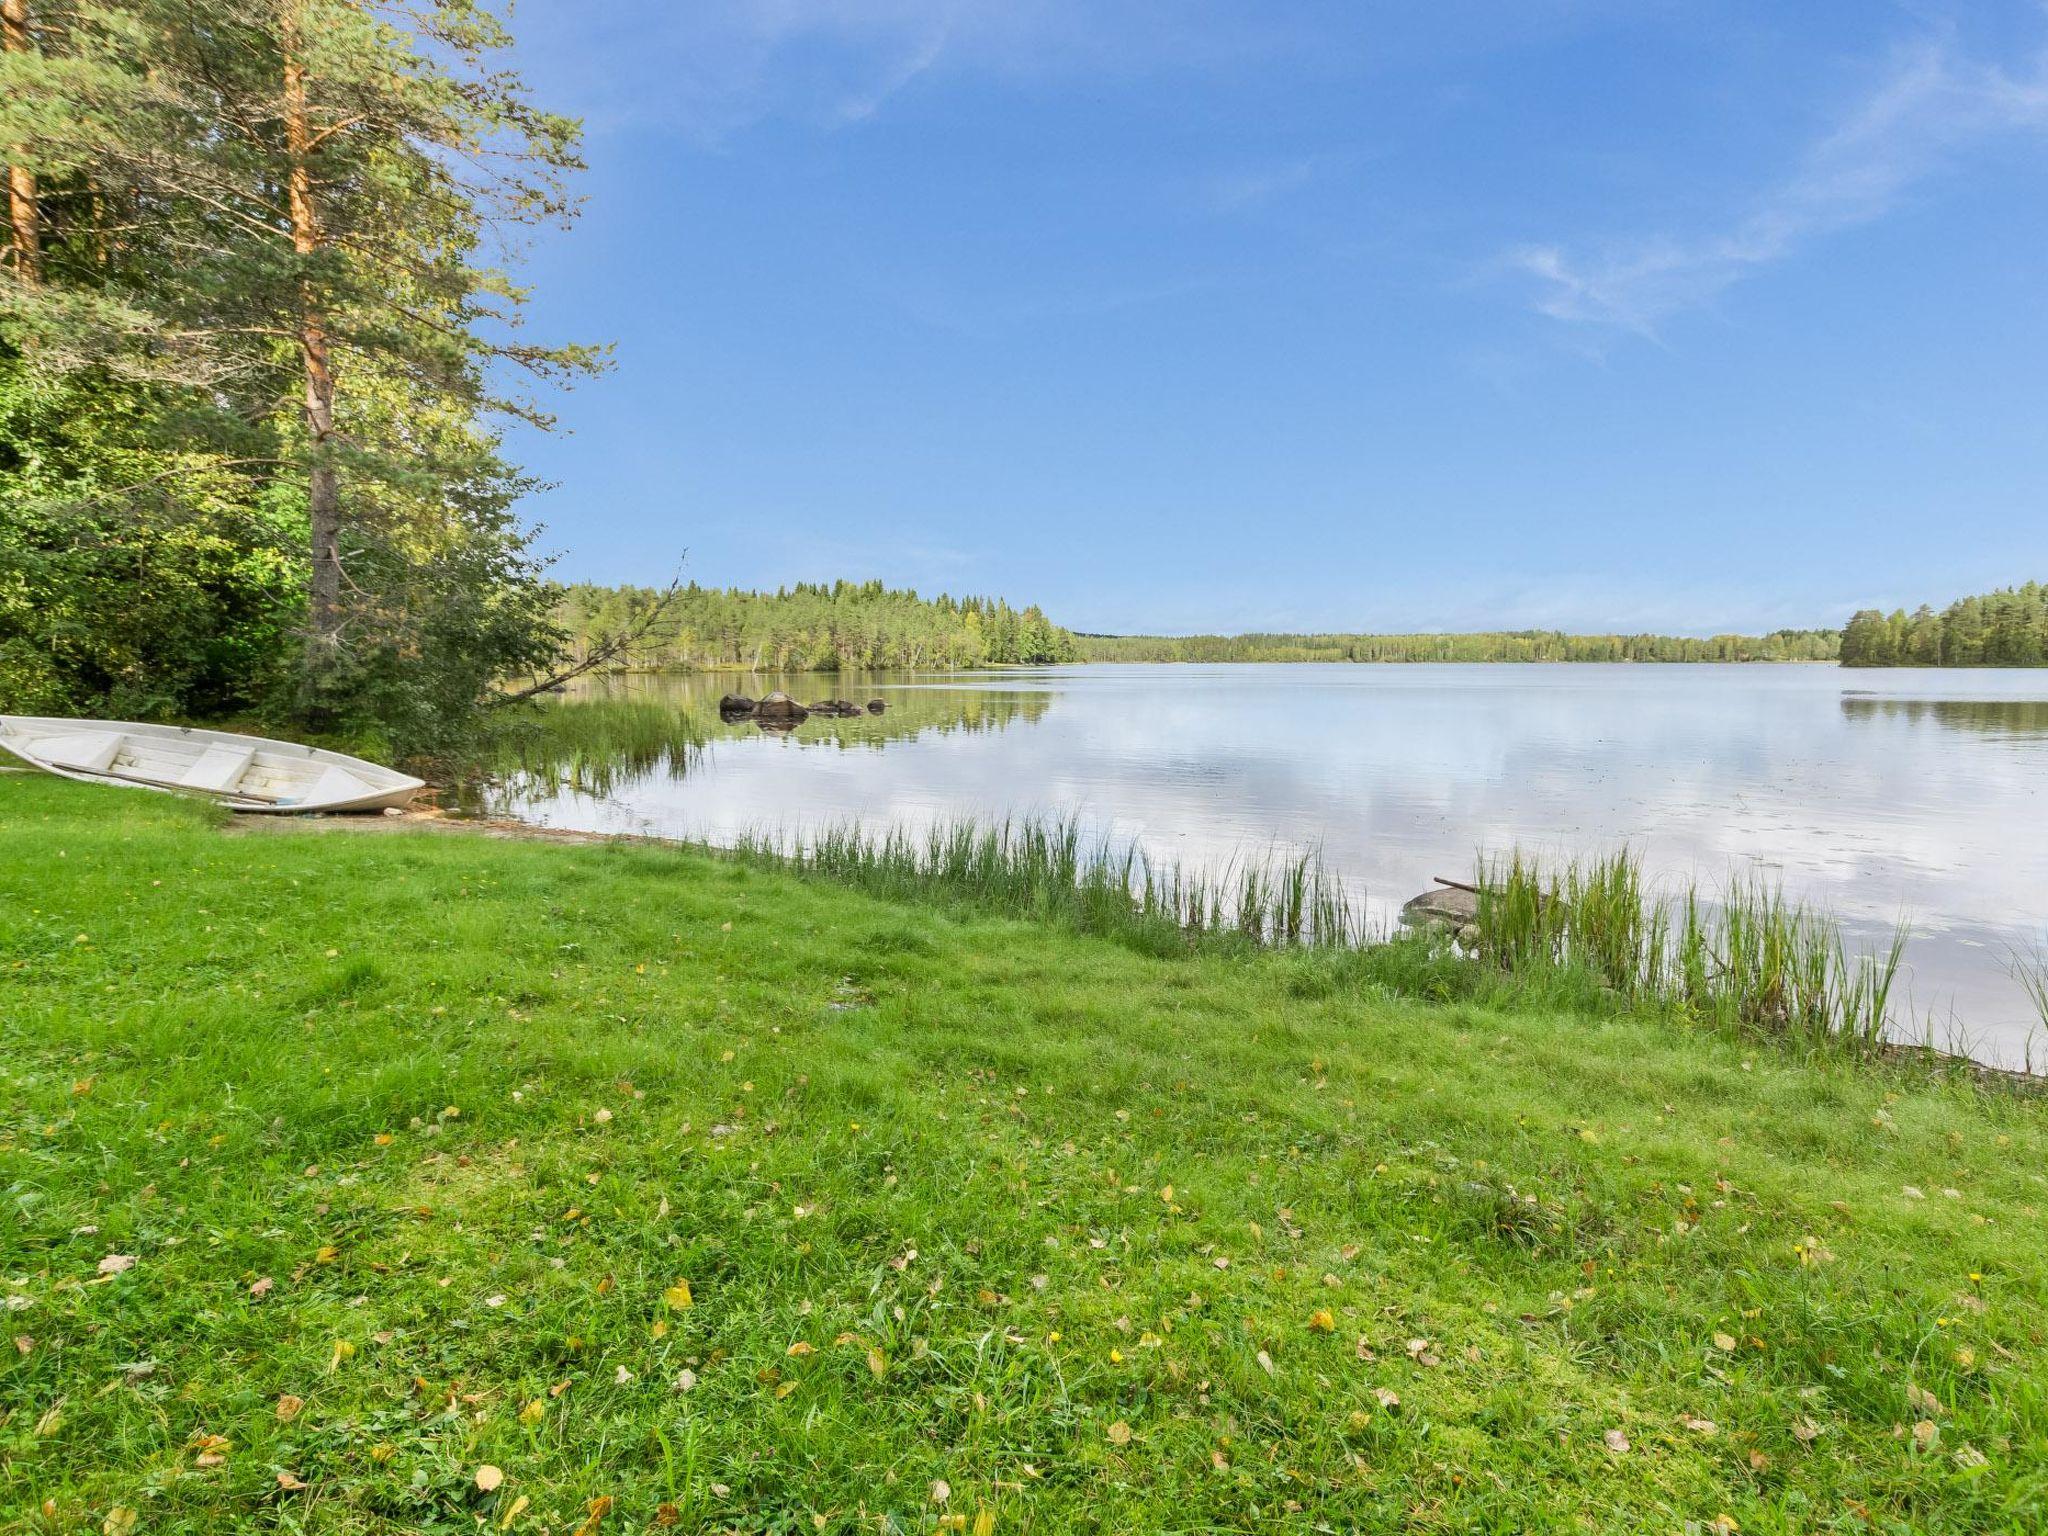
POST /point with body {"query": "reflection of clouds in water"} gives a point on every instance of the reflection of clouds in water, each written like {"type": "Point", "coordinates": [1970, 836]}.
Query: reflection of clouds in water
{"type": "Point", "coordinates": [1863, 804]}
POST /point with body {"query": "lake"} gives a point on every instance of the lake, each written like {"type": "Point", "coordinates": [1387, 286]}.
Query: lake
{"type": "Point", "coordinates": [1874, 794]}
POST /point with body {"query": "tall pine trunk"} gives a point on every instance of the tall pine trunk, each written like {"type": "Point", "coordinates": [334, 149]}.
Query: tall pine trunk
{"type": "Point", "coordinates": [24, 219]}
{"type": "Point", "coordinates": [323, 490]}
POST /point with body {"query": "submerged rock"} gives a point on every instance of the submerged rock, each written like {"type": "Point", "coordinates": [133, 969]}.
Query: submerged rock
{"type": "Point", "coordinates": [876, 706]}
{"type": "Point", "coordinates": [780, 706]}
{"type": "Point", "coordinates": [733, 705]}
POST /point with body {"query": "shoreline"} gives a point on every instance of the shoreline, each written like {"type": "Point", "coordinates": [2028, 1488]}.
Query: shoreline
{"type": "Point", "coordinates": [1895, 1053]}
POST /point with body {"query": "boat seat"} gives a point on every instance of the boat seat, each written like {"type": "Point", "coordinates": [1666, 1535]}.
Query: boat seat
{"type": "Point", "coordinates": [219, 768]}
{"type": "Point", "coordinates": [334, 784]}
{"type": "Point", "coordinates": [86, 752]}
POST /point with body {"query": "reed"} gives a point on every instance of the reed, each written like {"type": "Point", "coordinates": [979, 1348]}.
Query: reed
{"type": "Point", "coordinates": [2031, 972]}
{"type": "Point", "coordinates": [1051, 868]}
{"type": "Point", "coordinates": [1747, 961]}
{"type": "Point", "coordinates": [1751, 962]}
{"type": "Point", "coordinates": [592, 746]}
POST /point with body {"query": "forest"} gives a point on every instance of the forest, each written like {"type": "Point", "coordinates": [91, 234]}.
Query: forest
{"type": "Point", "coordinates": [809, 627]}
{"type": "Point", "coordinates": [2006, 628]}
{"type": "Point", "coordinates": [1511, 645]}
{"type": "Point", "coordinates": [257, 345]}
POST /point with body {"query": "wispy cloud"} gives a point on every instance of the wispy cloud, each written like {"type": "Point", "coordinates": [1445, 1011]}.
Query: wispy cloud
{"type": "Point", "coordinates": [714, 67]}
{"type": "Point", "coordinates": [1244, 187]}
{"type": "Point", "coordinates": [1930, 107]}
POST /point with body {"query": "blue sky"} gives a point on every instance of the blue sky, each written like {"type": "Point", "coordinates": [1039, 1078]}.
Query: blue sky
{"type": "Point", "coordinates": [1192, 315]}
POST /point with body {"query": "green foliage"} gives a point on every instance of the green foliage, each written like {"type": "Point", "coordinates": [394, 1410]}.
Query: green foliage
{"type": "Point", "coordinates": [233, 195]}
{"type": "Point", "coordinates": [1101, 1240]}
{"type": "Point", "coordinates": [177, 598]}
{"type": "Point", "coordinates": [1515, 645]}
{"type": "Point", "coordinates": [811, 627]}
{"type": "Point", "coordinates": [2006, 628]}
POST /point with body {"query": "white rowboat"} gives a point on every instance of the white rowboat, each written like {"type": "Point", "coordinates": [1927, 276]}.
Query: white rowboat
{"type": "Point", "coordinates": [243, 773]}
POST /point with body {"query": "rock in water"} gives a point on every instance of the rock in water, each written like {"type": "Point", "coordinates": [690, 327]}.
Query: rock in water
{"type": "Point", "coordinates": [781, 707]}
{"type": "Point", "coordinates": [732, 705]}
{"type": "Point", "coordinates": [1454, 908]}
{"type": "Point", "coordinates": [876, 706]}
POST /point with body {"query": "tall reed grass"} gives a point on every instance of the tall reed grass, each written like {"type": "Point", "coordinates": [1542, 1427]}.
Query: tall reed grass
{"type": "Point", "coordinates": [594, 745]}
{"type": "Point", "coordinates": [1749, 961]}
{"type": "Point", "coordinates": [2031, 971]}
{"type": "Point", "coordinates": [1051, 868]}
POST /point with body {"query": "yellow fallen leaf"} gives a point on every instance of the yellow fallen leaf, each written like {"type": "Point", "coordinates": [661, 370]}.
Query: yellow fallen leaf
{"type": "Point", "coordinates": [1119, 1433]}
{"type": "Point", "coordinates": [1321, 1321]}
{"type": "Point", "coordinates": [1724, 1342]}
{"type": "Point", "coordinates": [120, 1521]}
{"type": "Point", "coordinates": [383, 1451]}
{"type": "Point", "coordinates": [343, 1350]}
{"type": "Point", "coordinates": [878, 1363]}
{"type": "Point", "coordinates": [489, 1478]}
{"type": "Point", "coordinates": [941, 1490]}
{"type": "Point", "coordinates": [798, 1350]}
{"type": "Point", "coordinates": [288, 1482]}
{"type": "Point", "coordinates": [288, 1408]}
{"type": "Point", "coordinates": [533, 1412]}
{"type": "Point", "coordinates": [678, 1296]}
{"type": "Point", "coordinates": [1616, 1442]}
{"type": "Point", "coordinates": [513, 1512]}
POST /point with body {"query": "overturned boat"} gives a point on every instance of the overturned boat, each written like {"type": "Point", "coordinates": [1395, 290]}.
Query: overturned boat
{"type": "Point", "coordinates": [243, 773]}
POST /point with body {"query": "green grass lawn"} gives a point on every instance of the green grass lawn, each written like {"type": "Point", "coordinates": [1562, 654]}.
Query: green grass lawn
{"type": "Point", "coordinates": [433, 1182]}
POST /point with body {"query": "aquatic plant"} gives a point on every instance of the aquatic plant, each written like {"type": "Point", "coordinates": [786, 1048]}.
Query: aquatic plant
{"type": "Point", "coordinates": [1050, 868]}
{"type": "Point", "coordinates": [1746, 961]}
{"type": "Point", "coordinates": [593, 745]}
{"type": "Point", "coordinates": [1750, 961]}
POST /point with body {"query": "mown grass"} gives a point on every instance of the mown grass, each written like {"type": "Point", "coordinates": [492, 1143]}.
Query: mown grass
{"type": "Point", "coordinates": [986, 1223]}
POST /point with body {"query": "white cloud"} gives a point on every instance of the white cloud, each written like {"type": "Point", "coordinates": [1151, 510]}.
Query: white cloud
{"type": "Point", "coordinates": [1930, 107]}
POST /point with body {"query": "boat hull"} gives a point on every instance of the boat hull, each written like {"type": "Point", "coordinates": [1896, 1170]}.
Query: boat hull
{"type": "Point", "coordinates": [253, 775]}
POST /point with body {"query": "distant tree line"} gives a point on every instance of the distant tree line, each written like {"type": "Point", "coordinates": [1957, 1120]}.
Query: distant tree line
{"type": "Point", "coordinates": [1514, 645]}
{"type": "Point", "coordinates": [2006, 628]}
{"type": "Point", "coordinates": [812, 627]}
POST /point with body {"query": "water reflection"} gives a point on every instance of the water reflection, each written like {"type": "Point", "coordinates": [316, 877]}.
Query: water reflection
{"type": "Point", "coordinates": [1987, 717]}
{"type": "Point", "coordinates": [1922, 794]}
{"type": "Point", "coordinates": [607, 736]}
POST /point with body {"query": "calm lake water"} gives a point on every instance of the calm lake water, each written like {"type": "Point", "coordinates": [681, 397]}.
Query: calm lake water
{"type": "Point", "coordinates": [1876, 794]}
